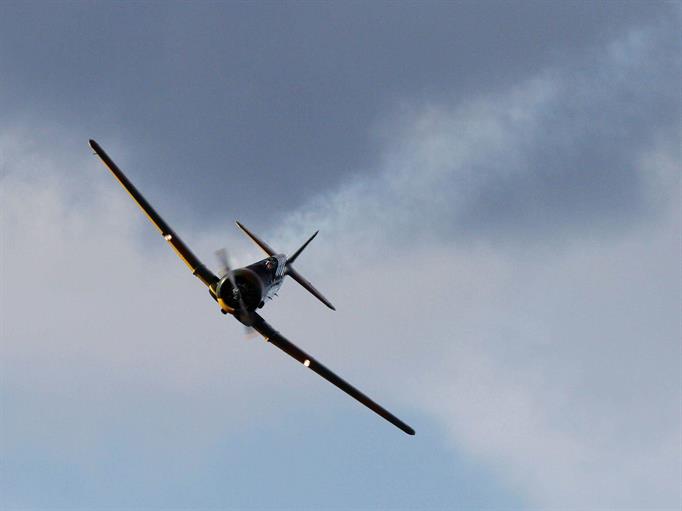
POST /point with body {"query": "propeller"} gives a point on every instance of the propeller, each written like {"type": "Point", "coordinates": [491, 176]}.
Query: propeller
{"type": "Point", "coordinates": [221, 255]}
{"type": "Point", "coordinates": [225, 270]}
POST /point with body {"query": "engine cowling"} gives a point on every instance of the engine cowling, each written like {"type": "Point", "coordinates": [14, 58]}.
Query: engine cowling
{"type": "Point", "coordinates": [250, 288]}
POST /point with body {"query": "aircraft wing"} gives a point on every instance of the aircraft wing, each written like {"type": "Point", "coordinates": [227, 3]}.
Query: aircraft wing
{"type": "Point", "coordinates": [198, 269]}
{"type": "Point", "coordinates": [274, 337]}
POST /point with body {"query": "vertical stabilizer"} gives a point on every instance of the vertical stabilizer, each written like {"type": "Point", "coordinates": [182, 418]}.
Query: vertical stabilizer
{"type": "Point", "coordinates": [300, 279]}
{"type": "Point", "coordinates": [291, 259]}
{"type": "Point", "coordinates": [289, 268]}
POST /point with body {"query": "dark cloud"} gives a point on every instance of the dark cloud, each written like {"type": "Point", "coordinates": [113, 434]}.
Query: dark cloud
{"type": "Point", "coordinates": [554, 374]}
{"type": "Point", "coordinates": [262, 105]}
{"type": "Point", "coordinates": [564, 153]}
{"type": "Point", "coordinates": [582, 168]}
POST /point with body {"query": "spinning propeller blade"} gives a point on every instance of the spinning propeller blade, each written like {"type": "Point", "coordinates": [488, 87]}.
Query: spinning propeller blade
{"type": "Point", "coordinates": [226, 270]}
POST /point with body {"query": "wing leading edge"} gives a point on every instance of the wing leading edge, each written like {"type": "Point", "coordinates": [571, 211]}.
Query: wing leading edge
{"type": "Point", "coordinates": [274, 337]}
{"type": "Point", "coordinates": [198, 269]}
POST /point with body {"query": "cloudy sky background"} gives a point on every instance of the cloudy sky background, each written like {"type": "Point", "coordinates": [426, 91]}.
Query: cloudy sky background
{"type": "Point", "coordinates": [498, 192]}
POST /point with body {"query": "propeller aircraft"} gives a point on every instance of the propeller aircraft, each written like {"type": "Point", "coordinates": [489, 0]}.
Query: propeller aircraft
{"type": "Point", "coordinates": [240, 292]}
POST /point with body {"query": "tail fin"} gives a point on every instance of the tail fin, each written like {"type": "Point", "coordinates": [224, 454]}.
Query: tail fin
{"type": "Point", "coordinates": [291, 259]}
{"type": "Point", "coordinates": [289, 268]}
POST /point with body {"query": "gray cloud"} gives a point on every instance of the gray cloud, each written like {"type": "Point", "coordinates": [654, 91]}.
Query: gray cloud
{"type": "Point", "coordinates": [546, 336]}
{"type": "Point", "coordinates": [498, 277]}
{"type": "Point", "coordinates": [122, 385]}
{"type": "Point", "coordinates": [558, 155]}
{"type": "Point", "coordinates": [251, 100]}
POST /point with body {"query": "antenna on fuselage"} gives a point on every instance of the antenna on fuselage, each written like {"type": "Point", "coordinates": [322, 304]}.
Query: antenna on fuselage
{"type": "Point", "coordinates": [289, 270]}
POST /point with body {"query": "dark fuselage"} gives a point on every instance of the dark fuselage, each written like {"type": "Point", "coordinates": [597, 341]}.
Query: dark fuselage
{"type": "Point", "coordinates": [256, 283]}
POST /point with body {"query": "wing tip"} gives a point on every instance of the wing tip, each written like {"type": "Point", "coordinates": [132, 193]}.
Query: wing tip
{"type": "Point", "coordinates": [401, 425]}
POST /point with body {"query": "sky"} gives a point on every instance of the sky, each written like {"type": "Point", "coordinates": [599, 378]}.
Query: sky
{"type": "Point", "coordinates": [497, 188]}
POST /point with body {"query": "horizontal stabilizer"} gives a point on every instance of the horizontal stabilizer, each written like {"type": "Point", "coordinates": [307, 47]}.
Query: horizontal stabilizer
{"type": "Point", "coordinates": [264, 246]}
{"type": "Point", "coordinates": [308, 286]}
{"type": "Point", "coordinates": [289, 269]}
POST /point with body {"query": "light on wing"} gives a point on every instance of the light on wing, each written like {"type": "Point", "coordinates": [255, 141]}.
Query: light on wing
{"type": "Point", "coordinates": [198, 269]}
{"type": "Point", "coordinates": [274, 337]}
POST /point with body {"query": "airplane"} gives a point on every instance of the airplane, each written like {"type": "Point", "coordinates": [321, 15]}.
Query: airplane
{"type": "Point", "coordinates": [240, 292]}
